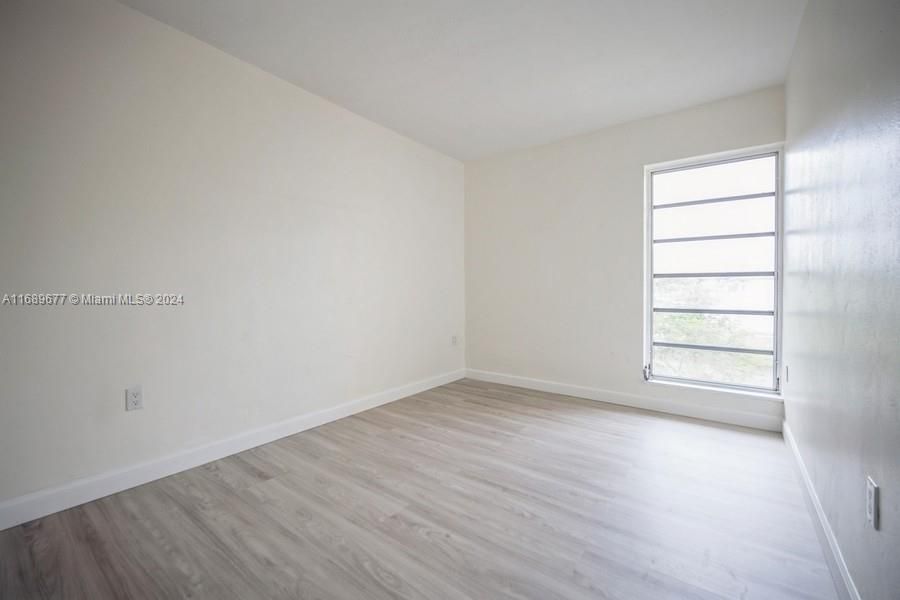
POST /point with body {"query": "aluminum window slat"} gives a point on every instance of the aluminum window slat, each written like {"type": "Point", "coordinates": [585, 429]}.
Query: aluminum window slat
{"type": "Point", "coordinates": [715, 311]}
{"type": "Point", "coordinates": [715, 348]}
{"type": "Point", "coordinates": [718, 274]}
{"type": "Point", "coordinates": [726, 236]}
{"type": "Point", "coordinates": [715, 200]}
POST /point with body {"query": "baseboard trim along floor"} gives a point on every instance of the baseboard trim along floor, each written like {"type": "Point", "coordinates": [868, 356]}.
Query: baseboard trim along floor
{"type": "Point", "coordinates": [843, 582]}
{"type": "Point", "coordinates": [468, 490]}
{"type": "Point", "coordinates": [22, 509]}
{"type": "Point", "coordinates": [755, 420]}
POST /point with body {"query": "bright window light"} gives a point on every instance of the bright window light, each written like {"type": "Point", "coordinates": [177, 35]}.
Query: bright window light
{"type": "Point", "coordinates": [713, 250]}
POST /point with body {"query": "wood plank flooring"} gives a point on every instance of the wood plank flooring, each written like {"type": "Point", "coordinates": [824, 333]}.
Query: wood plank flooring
{"type": "Point", "coordinates": [470, 490]}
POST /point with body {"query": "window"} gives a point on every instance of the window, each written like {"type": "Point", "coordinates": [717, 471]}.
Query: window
{"type": "Point", "coordinates": [713, 292]}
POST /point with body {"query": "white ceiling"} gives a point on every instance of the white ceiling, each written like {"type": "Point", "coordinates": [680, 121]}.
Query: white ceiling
{"type": "Point", "coordinates": [476, 77]}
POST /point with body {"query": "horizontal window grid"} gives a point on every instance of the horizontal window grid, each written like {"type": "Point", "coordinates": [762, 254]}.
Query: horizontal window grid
{"type": "Point", "coordinates": [715, 311]}
{"type": "Point", "coordinates": [725, 236]}
{"type": "Point", "coordinates": [699, 363]}
{"type": "Point", "coordinates": [714, 200]}
{"type": "Point", "coordinates": [717, 274]}
{"type": "Point", "coordinates": [714, 348]}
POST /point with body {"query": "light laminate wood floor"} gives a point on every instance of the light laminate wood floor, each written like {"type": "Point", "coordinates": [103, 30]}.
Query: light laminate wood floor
{"type": "Point", "coordinates": [470, 490]}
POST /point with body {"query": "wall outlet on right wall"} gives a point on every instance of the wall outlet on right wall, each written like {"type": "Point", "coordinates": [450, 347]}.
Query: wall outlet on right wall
{"type": "Point", "coordinates": [872, 502]}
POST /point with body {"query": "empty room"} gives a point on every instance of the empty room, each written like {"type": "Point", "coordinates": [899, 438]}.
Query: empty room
{"type": "Point", "coordinates": [450, 299]}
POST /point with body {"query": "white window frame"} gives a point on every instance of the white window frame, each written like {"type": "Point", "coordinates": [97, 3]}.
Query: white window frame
{"type": "Point", "coordinates": [776, 150]}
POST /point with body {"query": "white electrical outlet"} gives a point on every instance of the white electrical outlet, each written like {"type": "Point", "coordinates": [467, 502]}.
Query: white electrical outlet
{"type": "Point", "coordinates": [872, 502]}
{"type": "Point", "coordinates": [454, 340]}
{"type": "Point", "coordinates": [134, 398]}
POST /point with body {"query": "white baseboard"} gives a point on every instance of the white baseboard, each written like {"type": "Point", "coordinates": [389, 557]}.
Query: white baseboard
{"type": "Point", "coordinates": [843, 582]}
{"type": "Point", "coordinates": [38, 504]}
{"type": "Point", "coordinates": [756, 420]}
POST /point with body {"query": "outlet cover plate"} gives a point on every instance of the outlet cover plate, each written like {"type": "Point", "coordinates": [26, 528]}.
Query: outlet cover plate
{"type": "Point", "coordinates": [134, 398]}
{"type": "Point", "coordinates": [872, 502]}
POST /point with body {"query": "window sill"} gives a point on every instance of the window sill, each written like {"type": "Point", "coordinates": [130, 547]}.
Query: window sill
{"type": "Point", "coordinates": [774, 396]}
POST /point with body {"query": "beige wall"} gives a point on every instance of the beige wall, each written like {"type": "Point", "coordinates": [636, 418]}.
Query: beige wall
{"type": "Point", "coordinates": [842, 265]}
{"type": "Point", "coordinates": [320, 255]}
{"type": "Point", "coordinates": [555, 246]}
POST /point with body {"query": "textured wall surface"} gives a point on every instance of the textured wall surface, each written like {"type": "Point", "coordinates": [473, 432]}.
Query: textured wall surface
{"type": "Point", "coordinates": [842, 264]}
